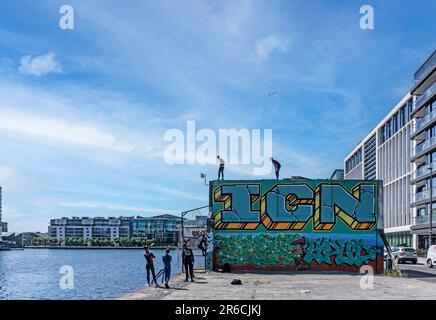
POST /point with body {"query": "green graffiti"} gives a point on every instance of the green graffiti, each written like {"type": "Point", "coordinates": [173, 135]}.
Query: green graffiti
{"type": "Point", "coordinates": [354, 252]}
{"type": "Point", "coordinates": [258, 250]}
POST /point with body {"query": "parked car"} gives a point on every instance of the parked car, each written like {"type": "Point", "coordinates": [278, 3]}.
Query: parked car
{"type": "Point", "coordinates": [431, 256]}
{"type": "Point", "coordinates": [404, 254]}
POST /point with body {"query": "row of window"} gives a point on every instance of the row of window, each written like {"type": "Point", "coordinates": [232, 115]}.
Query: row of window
{"type": "Point", "coordinates": [353, 161]}
{"type": "Point", "coordinates": [396, 122]}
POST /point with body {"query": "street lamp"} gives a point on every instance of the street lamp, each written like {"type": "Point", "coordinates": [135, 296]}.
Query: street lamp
{"type": "Point", "coordinates": [431, 207]}
{"type": "Point", "coordinates": [203, 176]}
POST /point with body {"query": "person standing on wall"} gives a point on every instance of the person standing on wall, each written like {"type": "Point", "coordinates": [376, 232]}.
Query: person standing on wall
{"type": "Point", "coordinates": [277, 167]}
{"type": "Point", "coordinates": [149, 265]}
{"type": "Point", "coordinates": [188, 262]}
{"type": "Point", "coordinates": [221, 168]}
{"type": "Point", "coordinates": [167, 259]}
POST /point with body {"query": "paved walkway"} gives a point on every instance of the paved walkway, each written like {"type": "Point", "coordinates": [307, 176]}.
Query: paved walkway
{"type": "Point", "coordinates": [289, 286]}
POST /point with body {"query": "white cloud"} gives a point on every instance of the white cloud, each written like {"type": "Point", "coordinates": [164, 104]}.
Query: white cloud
{"type": "Point", "coordinates": [266, 45]}
{"type": "Point", "coordinates": [117, 207]}
{"type": "Point", "coordinates": [60, 130]}
{"type": "Point", "coordinates": [40, 65]}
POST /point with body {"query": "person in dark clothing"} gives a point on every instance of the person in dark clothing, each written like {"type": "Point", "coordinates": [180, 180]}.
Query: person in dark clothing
{"type": "Point", "coordinates": [167, 266]}
{"type": "Point", "coordinates": [277, 167]}
{"type": "Point", "coordinates": [149, 265]}
{"type": "Point", "coordinates": [221, 168]}
{"type": "Point", "coordinates": [188, 262]}
{"type": "Point", "coordinates": [203, 244]}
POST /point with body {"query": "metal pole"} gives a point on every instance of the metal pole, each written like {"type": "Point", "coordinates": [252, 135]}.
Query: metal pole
{"type": "Point", "coordinates": [431, 208]}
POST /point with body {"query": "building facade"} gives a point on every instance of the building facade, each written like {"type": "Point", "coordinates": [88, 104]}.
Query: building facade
{"type": "Point", "coordinates": [401, 151]}
{"type": "Point", "coordinates": [384, 154]}
{"type": "Point", "coordinates": [338, 174]}
{"type": "Point", "coordinates": [164, 229]}
{"type": "Point", "coordinates": [423, 155]}
{"type": "Point", "coordinates": [88, 228]}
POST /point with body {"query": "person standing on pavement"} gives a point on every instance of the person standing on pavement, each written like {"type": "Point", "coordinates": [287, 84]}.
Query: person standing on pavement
{"type": "Point", "coordinates": [188, 262]}
{"type": "Point", "coordinates": [149, 265]}
{"type": "Point", "coordinates": [166, 259]}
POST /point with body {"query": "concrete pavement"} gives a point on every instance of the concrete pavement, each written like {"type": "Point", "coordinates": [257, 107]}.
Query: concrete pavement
{"type": "Point", "coordinates": [289, 286]}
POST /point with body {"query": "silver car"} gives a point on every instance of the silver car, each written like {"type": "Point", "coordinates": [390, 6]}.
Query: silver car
{"type": "Point", "coordinates": [404, 254]}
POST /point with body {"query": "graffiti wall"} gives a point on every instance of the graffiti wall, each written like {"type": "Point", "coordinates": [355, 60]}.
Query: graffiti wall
{"type": "Point", "coordinates": [296, 224]}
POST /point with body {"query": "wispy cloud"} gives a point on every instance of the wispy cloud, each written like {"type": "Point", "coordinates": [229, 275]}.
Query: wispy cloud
{"type": "Point", "coordinates": [61, 130]}
{"type": "Point", "coordinates": [271, 43]}
{"type": "Point", "coordinates": [40, 65]}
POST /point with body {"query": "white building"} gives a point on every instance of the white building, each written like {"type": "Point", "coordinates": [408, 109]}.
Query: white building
{"type": "Point", "coordinates": [384, 154]}
{"type": "Point", "coordinates": [88, 228]}
{"type": "Point", "coordinates": [400, 150]}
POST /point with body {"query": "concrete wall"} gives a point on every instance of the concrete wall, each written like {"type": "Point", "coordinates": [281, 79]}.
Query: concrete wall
{"type": "Point", "coordinates": [278, 225]}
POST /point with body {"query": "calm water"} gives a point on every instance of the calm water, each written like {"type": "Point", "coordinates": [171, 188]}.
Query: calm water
{"type": "Point", "coordinates": [98, 274]}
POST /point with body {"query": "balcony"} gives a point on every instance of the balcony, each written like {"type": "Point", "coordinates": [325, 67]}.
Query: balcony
{"type": "Point", "coordinates": [423, 171]}
{"type": "Point", "coordinates": [423, 122]}
{"type": "Point", "coordinates": [424, 146]}
{"type": "Point", "coordinates": [424, 97]}
{"type": "Point", "coordinates": [426, 68]}
{"type": "Point", "coordinates": [424, 195]}
{"type": "Point", "coordinates": [425, 219]}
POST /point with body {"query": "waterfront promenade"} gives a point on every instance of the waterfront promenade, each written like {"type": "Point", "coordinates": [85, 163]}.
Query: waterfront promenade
{"type": "Point", "coordinates": [288, 286]}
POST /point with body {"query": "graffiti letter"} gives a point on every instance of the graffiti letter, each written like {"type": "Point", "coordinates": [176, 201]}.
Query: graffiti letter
{"type": "Point", "coordinates": [237, 210]}
{"type": "Point", "coordinates": [356, 209]}
{"type": "Point", "coordinates": [287, 207]}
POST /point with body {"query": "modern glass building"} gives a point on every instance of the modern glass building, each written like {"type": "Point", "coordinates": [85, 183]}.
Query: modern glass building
{"type": "Point", "coordinates": [88, 228]}
{"type": "Point", "coordinates": [423, 155]}
{"type": "Point", "coordinates": [338, 174]}
{"type": "Point", "coordinates": [384, 154]}
{"type": "Point", "coordinates": [165, 229]}
{"type": "Point", "coordinates": [401, 151]}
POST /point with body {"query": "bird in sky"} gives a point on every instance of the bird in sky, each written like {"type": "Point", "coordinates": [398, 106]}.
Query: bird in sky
{"type": "Point", "coordinates": [272, 93]}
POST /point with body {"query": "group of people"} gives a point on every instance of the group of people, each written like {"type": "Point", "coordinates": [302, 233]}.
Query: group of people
{"type": "Point", "coordinates": [187, 260]}
{"type": "Point", "coordinates": [277, 167]}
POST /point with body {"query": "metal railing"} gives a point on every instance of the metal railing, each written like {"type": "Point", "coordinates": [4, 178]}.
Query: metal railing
{"type": "Point", "coordinates": [423, 97]}
{"type": "Point", "coordinates": [424, 170]}
{"type": "Point", "coordinates": [424, 195]}
{"type": "Point", "coordinates": [424, 219]}
{"type": "Point", "coordinates": [424, 146]}
{"type": "Point", "coordinates": [425, 69]}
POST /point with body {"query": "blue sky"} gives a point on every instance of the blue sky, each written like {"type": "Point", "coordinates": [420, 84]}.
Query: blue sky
{"type": "Point", "coordinates": [83, 112]}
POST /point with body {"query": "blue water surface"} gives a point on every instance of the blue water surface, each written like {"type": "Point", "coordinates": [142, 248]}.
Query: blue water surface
{"type": "Point", "coordinates": [98, 273]}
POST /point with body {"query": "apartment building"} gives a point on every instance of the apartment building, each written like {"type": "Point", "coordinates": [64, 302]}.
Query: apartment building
{"type": "Point", "coordinates": [401, 151]}
{"type": "Point", "coordinates": [384, 154]}
{"type": "Point", "coordinates": [423, 155]}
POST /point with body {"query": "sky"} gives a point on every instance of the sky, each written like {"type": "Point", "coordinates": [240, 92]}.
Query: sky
{"type": "Point", "coordinates": [84, 112]}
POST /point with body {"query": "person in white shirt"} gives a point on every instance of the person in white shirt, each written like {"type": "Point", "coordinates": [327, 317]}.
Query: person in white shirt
{"type": "Point", "coordinates": [221, 168]}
